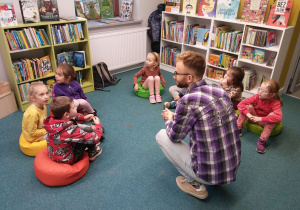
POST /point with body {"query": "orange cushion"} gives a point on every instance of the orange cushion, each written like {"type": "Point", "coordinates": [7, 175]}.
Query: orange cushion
{"type": "Point", "coordinates": [52, 173]}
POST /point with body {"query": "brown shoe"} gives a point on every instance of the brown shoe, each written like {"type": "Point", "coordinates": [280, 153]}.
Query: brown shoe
{"type": "Point", "coordinates": [196, 189]}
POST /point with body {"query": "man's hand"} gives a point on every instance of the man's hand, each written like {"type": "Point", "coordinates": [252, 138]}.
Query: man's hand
{"type": "Point", "coordinates": [88, 117]}
{"type": "Point", "coordinates": [176, 98]}
{"type": "Point", "coordinates": [136, 87]}
{"type": "Point", "coordinates": [96, 120]}
{"type": "Point", "coordinates": [167, 115]}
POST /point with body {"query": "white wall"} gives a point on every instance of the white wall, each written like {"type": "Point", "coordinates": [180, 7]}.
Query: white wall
{"type": "Point", "coordinates": [141, 11]}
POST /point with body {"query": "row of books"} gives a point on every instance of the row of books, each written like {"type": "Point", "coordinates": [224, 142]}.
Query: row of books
{"type": "Point", "coordinates": [74, 58]}
{"type": "Point", "coordinates": [67, 33]}
{"type": "Point", "coordinates": [196, 35]}
{"type": "Point", "coordinates": [29, 69]}
{"type": "Point", "coordinates": [79, 77]}
{"type": "Point", "coordinates": [223, 60]}
{"type": "Point", "coordinates": [249, 78]}
{"type": "Point", "coordinates": [26, 38]}
{"type": "Point", "coordinates": [172, 29]}
{"type": "Point", "coordinates": [259, 37]}
{"type": "Point", "coordinates": [169, 54]}
{"type": "Point", "coordinates": [226, 39]}
{"type": "Point", "coordinates": [255, 54]}
{"type": "Point", "coordinates": [215, 73]}
{"type": "Point", "coordinates": [271, 59]}
{"type": "Point", "coordinates": [23, 90]}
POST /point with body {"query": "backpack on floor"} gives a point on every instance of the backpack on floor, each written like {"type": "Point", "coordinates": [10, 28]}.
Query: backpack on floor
{"type": "Point", "coordinates": [102, 77]}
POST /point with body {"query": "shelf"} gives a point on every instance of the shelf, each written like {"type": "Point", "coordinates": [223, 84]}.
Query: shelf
{"type": "Point", "coordinates": [274, 48]}
{"type": "Point", "coordinates": [218, 67]}
{"type": "Point", "coordinates": [41, 78]}
{"type": "Point", "coordinates": [196, 46]}
{"type": "Point", "coordinates": [257, 64]}
{"type": "Point", "coordinates": [167, 40]}
{"type": "Point", "coordinates": [225, 51]}
{"type": "Point", "coordinates": [68, 43]}
{"type": "Point", "coordinates": [29, 49]}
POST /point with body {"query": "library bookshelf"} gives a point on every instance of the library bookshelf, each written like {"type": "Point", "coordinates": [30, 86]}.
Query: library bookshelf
{"type": "Point", "coordinates": [283, 37]}
{"type": "Point", "coordinates": [52, 49]}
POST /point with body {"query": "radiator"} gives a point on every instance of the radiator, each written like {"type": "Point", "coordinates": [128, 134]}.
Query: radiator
{"type": "Point", "coordinates": [119, 49]}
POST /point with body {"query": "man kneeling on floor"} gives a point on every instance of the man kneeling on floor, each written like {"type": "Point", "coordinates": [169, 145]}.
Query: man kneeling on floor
{"type": "Point", "coordinates": [206, 114]}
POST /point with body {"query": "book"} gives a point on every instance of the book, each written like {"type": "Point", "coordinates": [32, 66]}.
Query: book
{"type": "Point", "coordinates": [254, 11]}
{"type": "Point", "coordinates": [227, 9]}
{"type": "Point", "coordinates": [48, 10]}
{"type": "Point", "coordinates": [219, 74]}
{"type": "Point", "coordinates": [189, 7]}
{"type": "Point", "coordinates": [214, 59]}
{"type": "Point", "coordinates": [247, 52]}
{"type": "Point", "coordinates": [258, 55]}
{"type": "Point", "coordinates": [106, 9]}
{"type": "Point", "coordinates": [279, 15]}
{"type": "Point", "coordinates": [46, 65]}
{"type": "Point", "coordinates": [116, 8]}
{"type": "Point", "coordinates": [30, 11]}
{"type": "Point", "coordinates": [249, 78]}
{"type": "Point", "coordinates": [271, 39]}
{"type": "Point", "coordinates": [202, 36]}
{"type": "Point", "coordinates": [263, 78]}
{"type": "Point", "coordinates": [207, 8]}
{"type": "Point", "coordinates": [79, 59]}
{"type": "Point", "coordinates": [126, 9]}
{"type": "Point", "coordinates": [271, 59]}
{"type": "Point", "coordinates": [7, 14]}
{"type": "Point", "coordinates": [211, 72]}
{"type": "Point", "coordinates": [79, 8]}
{"type": "Point", "coordinates": [173, 6]}
{"type": "Point", "coordinates": [91, 9]}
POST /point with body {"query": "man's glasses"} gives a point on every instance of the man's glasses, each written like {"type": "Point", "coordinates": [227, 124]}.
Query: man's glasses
{"type": "Point", "coordinates": [176, 73]}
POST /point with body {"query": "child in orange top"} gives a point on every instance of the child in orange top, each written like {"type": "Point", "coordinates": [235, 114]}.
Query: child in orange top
{"type": "Point", "coordinates": [151, 77]}
{"type": "Point", "coordinates": [263, 109]}
{"type": "Point", "coordinates": [233, 84]}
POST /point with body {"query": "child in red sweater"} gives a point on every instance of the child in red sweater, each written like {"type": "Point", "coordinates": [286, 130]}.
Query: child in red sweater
{"type": "Point", "coordinates": [263, 109]}
{"type": "Point", "coordinates": [67, 141]}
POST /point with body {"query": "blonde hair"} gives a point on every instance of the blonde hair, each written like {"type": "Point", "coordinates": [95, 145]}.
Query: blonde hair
{"type": "Point", "coordinates": [34, 86]}
{"type": "Point", "coordinates": [273, 87]}
{"type": "Point", "coordinates": [156, 56]}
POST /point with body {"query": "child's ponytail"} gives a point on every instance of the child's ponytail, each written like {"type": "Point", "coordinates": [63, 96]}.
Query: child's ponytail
{"type": "Point", "coordinates": [273, 87]}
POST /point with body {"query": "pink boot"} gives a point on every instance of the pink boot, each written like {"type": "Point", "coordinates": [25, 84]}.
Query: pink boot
{"type": "Point", "coordinates": [158, 98]}
{"type": "Point", "coordinates": [152, 99]}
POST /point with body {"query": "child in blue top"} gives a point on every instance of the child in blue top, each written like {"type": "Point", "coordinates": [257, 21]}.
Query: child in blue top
{"type": "Point", "coordinates": [66, 85]}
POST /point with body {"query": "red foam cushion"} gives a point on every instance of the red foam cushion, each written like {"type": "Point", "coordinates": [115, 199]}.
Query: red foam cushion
{"type": "Point", "coordinates": [52, 173]}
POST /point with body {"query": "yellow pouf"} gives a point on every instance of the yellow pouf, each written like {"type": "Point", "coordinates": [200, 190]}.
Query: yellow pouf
{"type": "Point", "coordinates": [31, 148]}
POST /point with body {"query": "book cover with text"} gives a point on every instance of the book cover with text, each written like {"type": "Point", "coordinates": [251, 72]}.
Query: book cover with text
{"type": "Point", "coordinates": [173, 6]}
{"type": "Point", "coordinates": [30, 11]}
{"type": "Point", "coordinates": [279, 15]}
{"type": "Point", "coordinates": [48, 10]}
{"type": "Point", "coordinates": [106, 9]}
{"type": "Point", "coordinates": [7, 14]}
{"type": "Point", "coordinates": [227, 9]}
{"type": "Point", "coordinates": [254, 11]}
{"type": "Point", "coordinates": [91, 9]}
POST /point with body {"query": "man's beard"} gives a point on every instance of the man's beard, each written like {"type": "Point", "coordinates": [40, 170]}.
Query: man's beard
{"type": "Point", "coordinates": [182, 84]}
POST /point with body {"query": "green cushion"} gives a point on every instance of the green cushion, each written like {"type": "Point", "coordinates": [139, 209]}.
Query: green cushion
{"type": "Point", "coordinates": [254, 128]}
{"type": "Point", "coordinates": [145, 93]}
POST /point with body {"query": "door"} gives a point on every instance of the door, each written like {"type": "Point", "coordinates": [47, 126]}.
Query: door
{"type": "Point", "coordinates": [294, 84]}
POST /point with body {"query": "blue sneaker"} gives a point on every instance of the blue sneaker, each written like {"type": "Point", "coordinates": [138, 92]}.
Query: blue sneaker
{"type": "Point", "coordinates": [170, 105]}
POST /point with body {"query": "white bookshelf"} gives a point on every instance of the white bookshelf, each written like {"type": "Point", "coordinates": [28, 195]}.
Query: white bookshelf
{"type": "Point", "coordinates": [283, 38]}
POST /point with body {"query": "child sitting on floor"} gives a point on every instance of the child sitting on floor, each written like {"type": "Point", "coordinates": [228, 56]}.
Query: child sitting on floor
{"type": "Point", "coordinates": [151, 77]}
{"type": "Point", "coordinates": [176, 93]}
{"type": "Point", "coordinates": [66, 85]}
{"type": "Point", "coordinates": [233, 84]}
{"type": "Point", "coordinates": [66, 141]}
{"type": "Point", "coordinates": [36, 113]}
{"type": "Point", "coordinates": [263, 109]}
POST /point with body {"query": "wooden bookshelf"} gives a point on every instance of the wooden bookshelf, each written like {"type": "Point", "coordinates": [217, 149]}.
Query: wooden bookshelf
{"type": "Point", "coordinates": [283, 37]}
{"type": "Point", "coordinates": [52, 50]}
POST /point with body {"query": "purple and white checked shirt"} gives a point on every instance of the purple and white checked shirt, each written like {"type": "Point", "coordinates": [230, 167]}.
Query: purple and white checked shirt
{"type": "Point", "coordinates": [205, 113]}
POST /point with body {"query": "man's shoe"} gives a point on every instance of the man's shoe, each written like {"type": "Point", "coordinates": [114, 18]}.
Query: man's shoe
{"type": "Point", "coordinates": [261, 146]}
{"type": "Point", "coordinates": [193, 188]}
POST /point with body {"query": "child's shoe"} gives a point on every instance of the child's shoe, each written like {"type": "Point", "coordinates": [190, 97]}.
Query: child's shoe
{"type": "Point", "coordinates": [94, 155]}
{"type": "Point", "coordinates": [152, 99]}
{"type": "Point", "coordinates": [158, 98]}
{"type": "Point", "coordinates": [240, 132]}
{"type": "Point", "coordinates": [170, 105]}
{"type": "Point", "coordinates": [261, 146]}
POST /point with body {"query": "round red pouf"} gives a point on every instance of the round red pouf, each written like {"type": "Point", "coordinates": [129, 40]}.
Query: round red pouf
{"type": "Point", "coordinates": [52, 173]}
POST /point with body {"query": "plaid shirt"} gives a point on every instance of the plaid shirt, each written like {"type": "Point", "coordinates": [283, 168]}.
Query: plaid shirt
{"type": "Point", "coordinates": [205, 113]}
